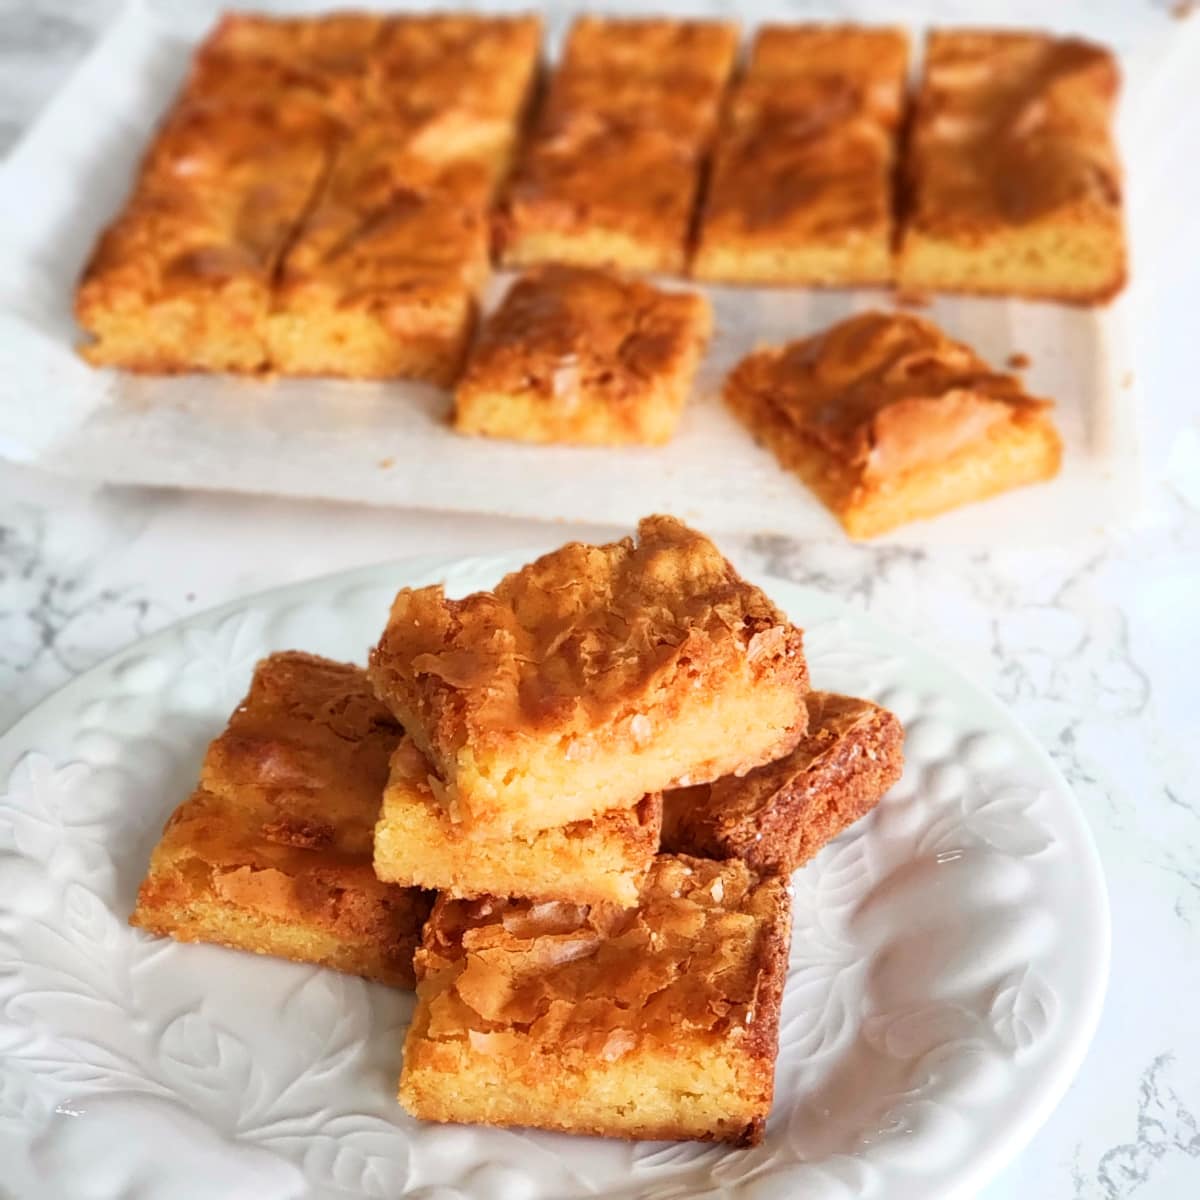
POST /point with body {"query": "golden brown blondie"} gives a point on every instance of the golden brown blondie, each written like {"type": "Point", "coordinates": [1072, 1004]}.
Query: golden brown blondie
{"type": "Point", "coordinates": [575, 354]}
{"type": "Point", "coordinates": [612, 172]}
{"type": "Point", "coordinates": [655, 1022]}
{"type": "Point", "coordinates": [591, 677]}
{"type": "Point", "coordinates": [272, 852]}
{"type": "Point", "coordinates": [1012, 171]}
{"type": "Point", "coordinates": [776, 817]}
{"type": "Point", "coordinates": [602, 860]}
{"type": "Point", "coordinates": [383, 275]}
{"type": "Point", "coordinates": [889, 420]}
{"type": "Point", "coordinates": [802, 189]}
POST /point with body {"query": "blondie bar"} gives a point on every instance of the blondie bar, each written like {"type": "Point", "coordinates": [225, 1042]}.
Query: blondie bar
{"type": "Point", "coordinates": [591, 677]}
{"type": "Point", "coordinates": [1012, 172]}
{"type": "Point", "coordinates": [655, 1022]}
{"type": "Point", "coordinates": [776, 817]}
{"type": "Point", "coordinates": [272, 852]}
{"type": "Point", "coordinates": [889, 420]}
{"type": "Point", "coordinates": [802, 191]}
{"type": "Point", "coordinates": [575, 354]}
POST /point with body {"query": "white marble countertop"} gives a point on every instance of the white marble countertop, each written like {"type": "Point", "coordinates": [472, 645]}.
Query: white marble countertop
{"type": "Point", "coordinates": [1094, 645]}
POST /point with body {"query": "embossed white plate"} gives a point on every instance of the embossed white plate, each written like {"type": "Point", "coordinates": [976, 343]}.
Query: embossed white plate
{"type": "Point", "coordinates": [948, 964]}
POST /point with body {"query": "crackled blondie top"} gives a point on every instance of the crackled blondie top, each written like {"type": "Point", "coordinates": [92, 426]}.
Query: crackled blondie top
{"type": "Point", "coordinates": [593, 676]}
{"type": "Point", "coordinates": [272, 853]}
{"type": "Point", "coordinates": [659, 1021]}
{"type": "Point", "coordinates": [887, 418]}
{"type": "Point", "coordinates": [576, 354]}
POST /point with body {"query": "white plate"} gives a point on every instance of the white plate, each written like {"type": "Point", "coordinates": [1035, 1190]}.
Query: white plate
{"type": "Point", "coordinates": [948, 963]}
{"type": "Point", "coordinates": [389, 443]}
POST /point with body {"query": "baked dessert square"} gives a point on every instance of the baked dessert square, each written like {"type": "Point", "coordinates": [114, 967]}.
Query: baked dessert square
{"type": "Point", "coordinates": [1012, 171]}
{"type": "Point", "coordinates": [589, 194]}
{"type": "Point", "coordinates": [658, 1022]}
{"type": "Point", "coordinates": [889, 420]}
{"type": "Point", "coordinates": [382, 277]}
{"type": "Point", "coordinates": [272, 852]}
{"type": "Point", "coordinates": [802, 183]}
{"type": "Point", "coordinates": [181, 281]}
{"type": "Point", "coordinates": [598, 861]}
{"type": "Point", "coordinates": [591, 677]}
{"type": "Point", "coordinates": [575, 354]}
{"type": "Point", "coordinates": [613, 169]}
{"type": "Point", "coordinates": [776, 817]}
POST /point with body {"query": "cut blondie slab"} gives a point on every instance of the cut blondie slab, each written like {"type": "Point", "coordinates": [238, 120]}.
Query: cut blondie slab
{"type": "Point", "coordinates": [613, 169]}
{"type": "Point", "coordinates": [657, 1022]}
{"type": "Point", "coordinates": [889, 420]}
{"type": "Point", "coordinates": [382, 277]}
{"type": "Point", "coordinates": [802, 184]}
{"type": "Point", "coordinates": [1013, 178]}
{"type": "Point", "coordinates": [603, 860]}
{"type": "Point", "coordinates": [575, 354]}
{"type": "Point", "coordinates": [776, 817]}
{"type": "Point", "coordinates": [272, 852]}
{"type": "Point", "coordinates": [182, 280]}
{"type": "Point", "coordinates": [592, 677]}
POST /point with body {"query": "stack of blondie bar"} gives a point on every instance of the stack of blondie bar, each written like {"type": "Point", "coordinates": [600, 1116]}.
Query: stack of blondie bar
{"type": "Point", "coordinates": [605, 768]}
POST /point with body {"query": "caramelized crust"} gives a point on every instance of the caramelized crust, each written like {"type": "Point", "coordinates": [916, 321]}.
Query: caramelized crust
{"type": "Point", "coordinates": [599, 861]}
{"type": "Point", "coordinates": [657, 47]}
{"type": "Point", "coordinates": [669, 1010]}
{"type": "Point", "coordinates": [580, 355]}
{"type": "Point", "coordinates": [872, 411]}
{"type": "Point", "coordinates": [779, 815]}
{"type": "Point", "coordinates": [181, 281]}
{"type": "Point", "coordinates": [802, 181]}
{"type": "Point", "coordinates": [611, 175]}
{"type": "Point", "coordinates": [318, 202]}
{"type": "Point", "coordinates": [1012, 169]}
{"type": "Point", "coordinates": [542, 702]}
{"type": "Point", "coordinates": [272, 853]}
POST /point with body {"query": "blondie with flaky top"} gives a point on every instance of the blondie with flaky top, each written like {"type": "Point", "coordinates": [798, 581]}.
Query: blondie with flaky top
{"type": "Point", "coordinates": [272, 852]}
{"type": "Point", "coordinates": [613, 168]}
{"type": "Point", "coordinates": [575, 354]}
{"type": "Point", "coordinates": [889, 420]}
{"type": "Point", "coordinates": [591, 677]}
{"type": "Point", "coordinates": [802, 190]}
{"type": "Point", "coordinates": [382, 277]}
{"type": "Point", "coordinates": [182, 280]}
{"type": "Point", "coordinates": [598, 861]}
{"type": "Point", "coordinates": [1012, 172]}
{"type": "Point", "coordinates": [776, 817]}
{"type": "Point", "coordinates": [655, 1022]}
{"type": "Point", "coordinates": [328, 208]}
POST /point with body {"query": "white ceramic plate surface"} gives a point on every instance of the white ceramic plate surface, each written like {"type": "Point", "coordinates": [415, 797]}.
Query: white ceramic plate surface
{"type": "Point", "coordinates": [948, 963]}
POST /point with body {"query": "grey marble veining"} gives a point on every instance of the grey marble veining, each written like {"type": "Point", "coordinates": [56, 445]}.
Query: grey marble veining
{"type": "Point", "coordinates": [1095, 647]}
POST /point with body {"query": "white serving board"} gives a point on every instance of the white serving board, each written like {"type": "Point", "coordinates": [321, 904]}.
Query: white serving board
{"type": "Point", "coordinates": [389, 444]}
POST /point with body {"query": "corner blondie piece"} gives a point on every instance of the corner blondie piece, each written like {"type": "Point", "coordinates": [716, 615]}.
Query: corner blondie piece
{"type": "Point", "coordinates": [382, 278]}
{"type": "Point", "coordinates": [272, 853]}
{"type": "Point", "coordinates": [580, 355]}
{"type": "Point", "coordinates": [1014, 183]}
{"type": "Point", "coordinates": [182, 279]}
{"type": "Point", "coordinates": [801, 191]}
{"type": "Point", "coordinates": [888, 420]}
{"type": "Point", "coordinates": [657, 1022]}
{"type": "Point", "coordinates": [592, 677]}
{"type": "Point", "coordinates": [603, 860]}
{"type": "Point", "coordinates": [778, 816]}
{"type": "Point", "coordinates": [613, 169]}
